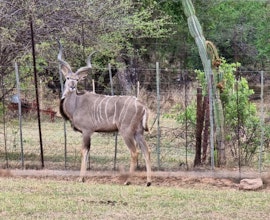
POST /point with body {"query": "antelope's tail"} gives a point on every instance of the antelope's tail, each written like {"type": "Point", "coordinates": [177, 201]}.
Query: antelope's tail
{"type": "Point", "coordinates": [145, 120]}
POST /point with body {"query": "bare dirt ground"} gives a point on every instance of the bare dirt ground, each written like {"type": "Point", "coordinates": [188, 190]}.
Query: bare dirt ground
{"type": "Point", "coordinates": [222, 179]}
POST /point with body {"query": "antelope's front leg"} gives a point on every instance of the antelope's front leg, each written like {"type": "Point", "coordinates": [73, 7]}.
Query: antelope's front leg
{"type": "Point", "coordinates": [85, 156]}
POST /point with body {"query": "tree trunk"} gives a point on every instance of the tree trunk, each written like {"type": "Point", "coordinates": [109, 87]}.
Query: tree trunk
{"type": "Point", "coordinates": [127, 75]}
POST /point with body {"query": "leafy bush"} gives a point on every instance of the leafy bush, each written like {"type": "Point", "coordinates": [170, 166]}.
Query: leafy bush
{"type": "Point", "coordinates": [241, 121]}
{"type": "Point", "coordinates": [181, 116]}
{"type": "Point", "coordinates": [242, 124]}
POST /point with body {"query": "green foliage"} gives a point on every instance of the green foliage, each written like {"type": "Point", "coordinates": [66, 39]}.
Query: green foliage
{"type": "Point", "coordinates": [234, 95]}
{"type": "Point", "coordinates": [114, 28]}
{"type": "Point", "coordinates": [151, 30]}
{"type": "Point", "coordinates": [182, 116]}
{"type": "Point", "coordinates": [238, 28]}
{"type": "Point", "coordinates": [144, 26]}
{"type": "Point", "coordinates": [239, 113]}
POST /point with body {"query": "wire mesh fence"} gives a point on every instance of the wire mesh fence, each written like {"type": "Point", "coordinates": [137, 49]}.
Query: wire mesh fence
{"type": "Point", "coordinates": [172, 143]}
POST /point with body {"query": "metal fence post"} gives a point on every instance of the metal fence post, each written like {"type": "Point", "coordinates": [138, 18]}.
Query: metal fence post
{"type": "Point", "coordinates": [37, 93]}
{"type": "Point", "coordinates": [115, 133]}
{"type": "Point", "coordinates": [262, 123]}
{"type": "Point", "coordinates": [158, 113]}
{"type": "Point", "coordinates": [20, 111]}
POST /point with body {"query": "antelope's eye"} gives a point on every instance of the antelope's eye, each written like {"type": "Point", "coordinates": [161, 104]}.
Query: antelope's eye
{"type": "Point", "coordinates": [68, 78]}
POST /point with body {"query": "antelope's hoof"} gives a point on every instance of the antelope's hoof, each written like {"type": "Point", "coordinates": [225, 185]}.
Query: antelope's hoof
{"type": "Point", "coordinates": [82, 179]}
{"type": "Point", "coordinates": [127, 183]}
{"type": "Point", "coordinates": [148, 184]}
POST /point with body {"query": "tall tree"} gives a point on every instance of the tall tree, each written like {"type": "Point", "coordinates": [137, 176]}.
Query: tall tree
{"type": "Point", "coordinates": [111, 27]}
{"type": "Point", "coordinates": [238, 28]}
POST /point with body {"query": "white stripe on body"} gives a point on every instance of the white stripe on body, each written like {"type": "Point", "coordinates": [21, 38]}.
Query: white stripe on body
{"type": "Point", "coordinates": [127, 108]}
{"type": "Point", "coordinates": [106, 108]}
{"type": "Point", "coordinates": [123, 108]}
{"type": "Point", "coordinates": [94, 113]}
{"type": "Point", "coordinates": [115, 111]}
{"type": "Point", "coordinates": [100, 109]}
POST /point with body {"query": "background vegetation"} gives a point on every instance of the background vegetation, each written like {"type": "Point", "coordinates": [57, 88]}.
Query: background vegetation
{"type": "Point", "coordinates": [132, 36]}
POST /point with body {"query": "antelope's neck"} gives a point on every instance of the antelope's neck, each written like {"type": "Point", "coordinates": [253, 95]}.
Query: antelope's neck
{"type": "Point", "coordinates": [69, 105]}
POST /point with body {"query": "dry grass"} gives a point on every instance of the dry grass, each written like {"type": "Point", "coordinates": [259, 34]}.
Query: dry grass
{"type": "Point", "coordinates": [174, 150]}
{"type": "Point", "coordinates": [102, 147]}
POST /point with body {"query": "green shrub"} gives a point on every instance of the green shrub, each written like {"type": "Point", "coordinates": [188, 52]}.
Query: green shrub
{"type": "Point", "coordinates": [240, 115]}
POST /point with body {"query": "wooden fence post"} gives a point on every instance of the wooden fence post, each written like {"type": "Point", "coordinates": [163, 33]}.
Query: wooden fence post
{"type": "Point", "coordinates": [199, 128]}
{"type": "Point", "coordinates": [206, 128]}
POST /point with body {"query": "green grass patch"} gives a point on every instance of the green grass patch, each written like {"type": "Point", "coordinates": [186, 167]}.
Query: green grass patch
{"type": "Point", "coordinates": [59, 199]}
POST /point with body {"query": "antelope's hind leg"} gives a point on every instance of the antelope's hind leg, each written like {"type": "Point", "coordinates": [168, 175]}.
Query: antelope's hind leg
{"type": "Point", "coordinates": [85, 155]}
{"type": "Point", "coordinates": [130, 142]}
{"type": "Point", "coordinates": [146, 153]}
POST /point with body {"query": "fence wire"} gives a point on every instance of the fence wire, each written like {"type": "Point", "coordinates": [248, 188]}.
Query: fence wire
{"type": "Point", "coordinates": [174, 151]}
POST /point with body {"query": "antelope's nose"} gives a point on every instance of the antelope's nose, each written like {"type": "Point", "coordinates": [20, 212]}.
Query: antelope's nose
{"type": "Point", "coordinates": [72, 85]}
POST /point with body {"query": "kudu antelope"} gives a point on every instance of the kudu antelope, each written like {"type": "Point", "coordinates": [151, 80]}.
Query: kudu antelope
{"type": "Point", "coordinates": [89, 112]}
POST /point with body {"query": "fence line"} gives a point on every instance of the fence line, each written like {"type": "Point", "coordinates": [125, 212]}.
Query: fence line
{"type": "Point", "coordinates": [174, 144]}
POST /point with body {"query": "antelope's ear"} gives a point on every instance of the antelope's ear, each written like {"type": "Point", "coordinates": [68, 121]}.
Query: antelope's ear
{"type": "Point", "coordinates": [65, 69]}
{"type": "Point", "coordinates": [82, 74]}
